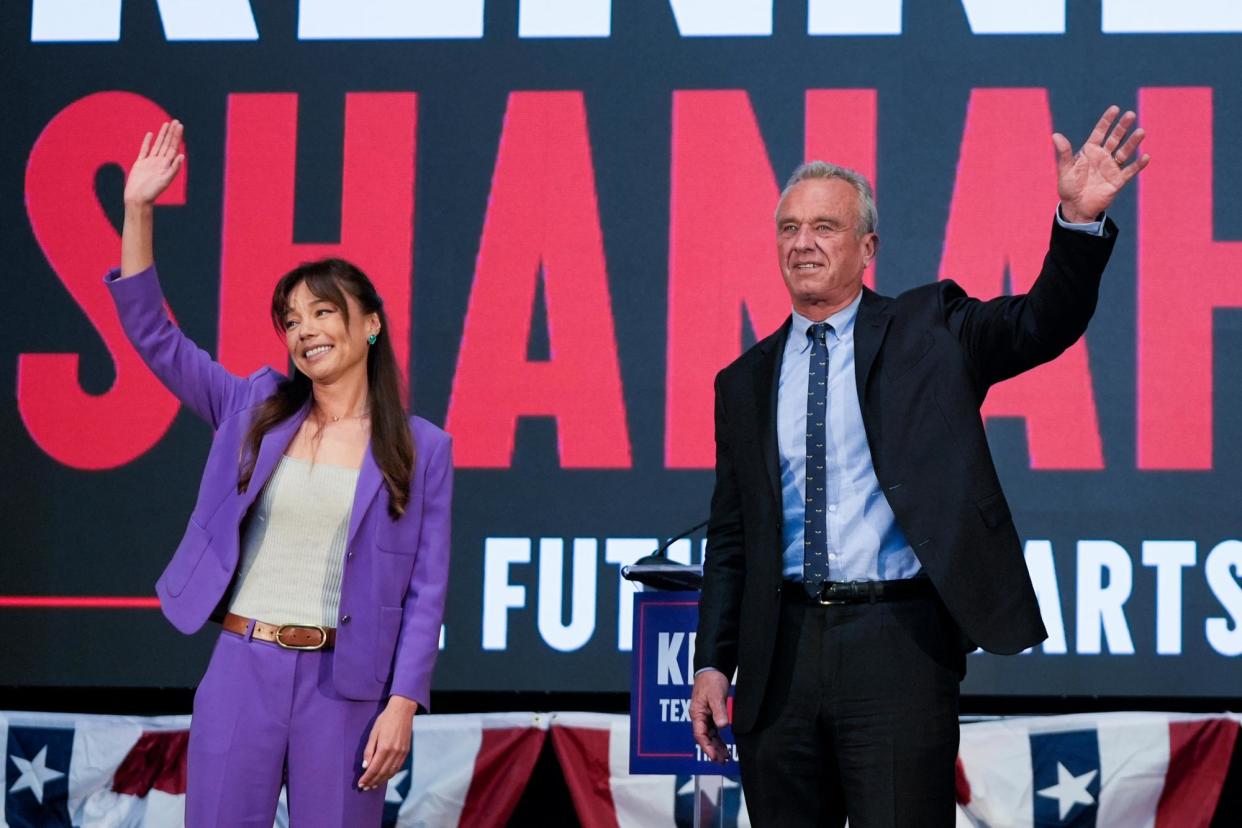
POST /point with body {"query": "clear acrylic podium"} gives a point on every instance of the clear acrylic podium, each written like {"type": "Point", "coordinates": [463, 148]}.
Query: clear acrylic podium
{"type": "Point", "coordinates": [658, 574]}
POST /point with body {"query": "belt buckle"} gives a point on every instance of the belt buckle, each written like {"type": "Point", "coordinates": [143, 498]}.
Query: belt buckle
{"type": "Point", "coordinates": [323, 636]}
{"type": "Point", "coordinates": [828, 602]}
{"type": "Point", "coordinates": [850, 593]}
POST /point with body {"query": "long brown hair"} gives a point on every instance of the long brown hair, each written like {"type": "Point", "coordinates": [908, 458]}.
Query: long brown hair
{"type": "Point", "coordinates": [391, 444]}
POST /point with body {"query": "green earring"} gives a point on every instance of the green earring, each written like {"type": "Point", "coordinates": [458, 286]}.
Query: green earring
{"type": "Point", "coordinates": [371, 339]}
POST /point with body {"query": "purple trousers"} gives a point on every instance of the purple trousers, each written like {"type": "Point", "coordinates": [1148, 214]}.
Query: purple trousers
{"type": "Point", "coordinates": [263, 715]}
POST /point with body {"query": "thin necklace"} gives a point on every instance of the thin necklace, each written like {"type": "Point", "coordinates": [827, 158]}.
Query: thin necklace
{"type": "Point", "coordinates": [336, 419]}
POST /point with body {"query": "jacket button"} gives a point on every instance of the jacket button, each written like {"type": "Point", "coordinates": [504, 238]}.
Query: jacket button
{"type": "Point", "coordinates": [348, 555]}
{"type": "Point", "coordinates": [344, 619]}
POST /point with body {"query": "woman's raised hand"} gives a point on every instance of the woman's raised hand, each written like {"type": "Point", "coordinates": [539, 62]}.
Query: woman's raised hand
{"type": "Point", "coordinates": [158, 163]}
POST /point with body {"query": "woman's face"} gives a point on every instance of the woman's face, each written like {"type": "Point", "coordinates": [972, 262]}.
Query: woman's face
{"type": "Point", "coordinates": [323, 345]}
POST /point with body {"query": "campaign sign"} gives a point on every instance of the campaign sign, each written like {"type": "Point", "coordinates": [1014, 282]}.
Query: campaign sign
{"type": "Point", "coordinates": [661, 740]}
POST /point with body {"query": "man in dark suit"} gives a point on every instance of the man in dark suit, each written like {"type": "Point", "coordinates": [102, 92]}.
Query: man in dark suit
{"type": "Point", "coordinates": [859, 542]}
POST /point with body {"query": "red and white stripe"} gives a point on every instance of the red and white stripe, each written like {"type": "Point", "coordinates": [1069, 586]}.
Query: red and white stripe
{"type": "Point", "coordinates": [471, 769]}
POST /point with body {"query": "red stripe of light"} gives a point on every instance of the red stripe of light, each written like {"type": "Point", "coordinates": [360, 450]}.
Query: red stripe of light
{"type": "Point", "coordinates": [77, 602]}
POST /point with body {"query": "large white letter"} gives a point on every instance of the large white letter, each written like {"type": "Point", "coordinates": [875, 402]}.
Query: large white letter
{"type": "Point", "coordinates": [1223, 568]}
{"type": "Point", "coordinates": [849, 17]}
{"type": "Point", "coordinates": [208, 20]}
{"type": "Point", "coordinates": [389, 19]}
{"type": "Point", "coordinates": [1015, 16]}
{"type": "Point", "coordinates": [722, 18]}
{"type": "Point", "coordinates": [565, 18]}
{"type": "Point", "coordinates": [1169, 16]}
{"type": "Point", "coordinates": [1039, 563]}
{"type": "Point", "coordinates": [667, 669]}
{"type": "Point", "coordinates": [1100, 606]}
{"type": "Point", "coordinates": [623, 552]}
{"type": "Point", "coordinates": [571, 636]}
{"type": "Point", "coordinates": [1169, 557]}
{"type": "Point", "coordinates": [100, 20]}
{"type": "Point", "coordinates": [500, 596]}
{"type": "Point", "coordinates": [79, 21]}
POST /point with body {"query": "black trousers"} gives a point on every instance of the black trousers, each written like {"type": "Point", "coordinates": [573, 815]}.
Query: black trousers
{"type": "Point", "coordinates": [860, 719]}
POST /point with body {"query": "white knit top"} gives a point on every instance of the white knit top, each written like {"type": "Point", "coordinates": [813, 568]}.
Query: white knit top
{"type": "Point", "coordinates": [293, 545]}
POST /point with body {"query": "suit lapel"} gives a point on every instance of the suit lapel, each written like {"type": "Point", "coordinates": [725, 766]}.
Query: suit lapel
{"type": "Point", "coordinates": [271, 449]}
{"type": "Point", "coordinates": [870, 328]}
{"type": "Point", "coordinates": [369, 479]}
{"type": "Point", "coordinates": [766, 377]}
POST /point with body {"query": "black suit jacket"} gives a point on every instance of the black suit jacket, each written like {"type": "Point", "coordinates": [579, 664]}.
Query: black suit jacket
{"type": "Point", "coordinates": [924, 362]}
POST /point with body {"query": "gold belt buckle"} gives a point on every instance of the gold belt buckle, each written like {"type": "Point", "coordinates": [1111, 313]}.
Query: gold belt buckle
{"type": "Point", "coordinates": [323, 636]}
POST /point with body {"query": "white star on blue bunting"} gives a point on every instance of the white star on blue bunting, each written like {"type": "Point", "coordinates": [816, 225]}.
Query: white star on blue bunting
{"type": "Point", "coordinates": [33, 774]}
{"type": "Point", "coordinates": [1070, 790]}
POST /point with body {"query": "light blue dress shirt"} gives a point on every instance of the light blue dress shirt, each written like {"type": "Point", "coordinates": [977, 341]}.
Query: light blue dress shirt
{"type": "Point", "coordinates": [864, 541]}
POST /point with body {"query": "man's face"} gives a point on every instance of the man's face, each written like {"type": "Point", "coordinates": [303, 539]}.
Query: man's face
{"type": "Point", "coordinates": [822, 256]}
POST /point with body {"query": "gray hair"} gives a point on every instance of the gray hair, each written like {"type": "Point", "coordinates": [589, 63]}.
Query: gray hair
{"type": "Point", "coordinates": [868, 218]}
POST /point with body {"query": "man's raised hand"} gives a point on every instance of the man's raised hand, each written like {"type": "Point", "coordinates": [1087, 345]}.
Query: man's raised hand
{"type": "Point", "coordinates": [1089, 180]}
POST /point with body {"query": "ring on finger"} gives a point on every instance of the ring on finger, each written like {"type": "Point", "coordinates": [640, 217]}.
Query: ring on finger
{"type": "Point", "coordinates": [1120, 161]}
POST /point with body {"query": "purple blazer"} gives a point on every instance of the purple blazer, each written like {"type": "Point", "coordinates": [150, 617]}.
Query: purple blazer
{"type": "Point", "coordinates": [396, 572]}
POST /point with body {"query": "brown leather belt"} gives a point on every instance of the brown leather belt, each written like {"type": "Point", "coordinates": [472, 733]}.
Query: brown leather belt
{"type": "Point", "coordinates": [289, 636]}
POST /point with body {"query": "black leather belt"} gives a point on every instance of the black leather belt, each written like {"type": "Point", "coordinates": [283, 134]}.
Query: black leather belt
{"type": "Point", "coordinates": [858, 592]}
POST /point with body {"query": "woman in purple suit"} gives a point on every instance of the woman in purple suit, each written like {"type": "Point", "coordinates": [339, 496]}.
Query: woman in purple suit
{"type": "Point", "coordinates": [320, 539]}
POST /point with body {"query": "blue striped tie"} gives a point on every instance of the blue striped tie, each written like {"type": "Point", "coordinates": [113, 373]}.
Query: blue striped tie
{"type": "Point", "coordinates": [815, 548]}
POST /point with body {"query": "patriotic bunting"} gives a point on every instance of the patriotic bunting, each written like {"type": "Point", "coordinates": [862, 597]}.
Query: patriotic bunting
{"type": "Point", "coordinates": [1139, 770]}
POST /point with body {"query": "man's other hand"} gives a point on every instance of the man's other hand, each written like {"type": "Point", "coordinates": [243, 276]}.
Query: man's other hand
{"type": "Point", "coordinates": [709, 713]}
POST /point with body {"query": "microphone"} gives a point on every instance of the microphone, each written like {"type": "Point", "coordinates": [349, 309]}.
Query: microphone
{"type": "Point", "coordinates": [658, 572]}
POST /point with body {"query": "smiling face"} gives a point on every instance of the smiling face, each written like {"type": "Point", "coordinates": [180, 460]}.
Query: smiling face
{"type": "Point", "coordinates": [327, 342]}
{"type": "Point", "coordinates": [822, 254]}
